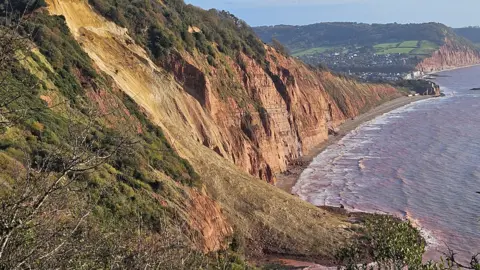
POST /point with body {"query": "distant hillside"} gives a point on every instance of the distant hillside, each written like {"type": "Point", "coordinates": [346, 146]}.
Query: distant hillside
{"type": "Point", "coordinates": [298, 38]}
{"type": "Point", "coordinates": [361, 46]}
{"type": "Point", "coordinates": [470, 33]}
{"type": "Point", "coordinates": [339, 33]}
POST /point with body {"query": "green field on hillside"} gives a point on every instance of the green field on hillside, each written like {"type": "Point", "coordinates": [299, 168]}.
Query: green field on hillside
{"type": "Point", "coordinates": [409, 44]}
{"type": "Point", "coordinates": [425, 48]}
{"type": "Point", "coordinates": [412, 47]}
{"type": "Point", "coordinates": [420, 39]}
{"type": "Point", "coordinates": [428, 44]}
{"type": "Point", "coordinates": [311, 51]}
{"type": "Point", "coordinates": [396, 50]}
{"type": "Point", "coordinates": [385, 46]}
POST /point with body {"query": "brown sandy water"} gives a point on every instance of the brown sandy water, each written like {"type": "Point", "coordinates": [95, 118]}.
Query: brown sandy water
{"type": "Point", "coordinates": [420, 162]}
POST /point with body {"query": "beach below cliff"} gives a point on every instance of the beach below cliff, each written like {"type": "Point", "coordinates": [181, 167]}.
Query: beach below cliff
{"type": "Point", "coordinates": [287, 180]}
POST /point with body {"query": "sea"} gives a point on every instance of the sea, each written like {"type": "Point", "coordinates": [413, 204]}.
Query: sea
{"type": "Point", "coordinates": [420, 162]}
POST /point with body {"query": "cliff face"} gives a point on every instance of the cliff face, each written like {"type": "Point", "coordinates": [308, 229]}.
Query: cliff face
{"type": "Point", "coordinates": [206, 218]}
{"type": "Point", "coordinates": [260, 118]}
{"type": "Point", "coordinates": [232, 120]}
{"type": "Point", "coordinates": [275, 114]}
{"type": "Point", "coordinates": [449, 56]}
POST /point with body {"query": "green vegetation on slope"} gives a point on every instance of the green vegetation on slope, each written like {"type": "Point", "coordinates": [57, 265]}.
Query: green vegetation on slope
{"type": "Point", "coordinates": [396, 50]}
{"type": "Point", "coordinates": [411, 47]}
{"type": "Point", "coordinates": [347, 34]}
{"type": "Point", "coordinates": [87, 181]}
{"type": "Point", "coordinates": [389, 242]}
{"type": "Point", "coordinates": [340, 89]}
{"type": "Point", "coordinates": [170, 30]}
{"type": "Point", "coordinates": [171, 24]}
{"type": "Point", "coordinates": [364, 48]}
{"type": "Point", "coordinates": [73, 74]}
{"type": "Point", "coordinates": [409, 44]}
{"type": "Point", "coordinates": [311, 51]}
{"type": "Point", "coordinates": [425, 48]}
{"type": "Point", "coordinates": [470, 33]}
{"type": "Point", "coordinates": [385, 46]}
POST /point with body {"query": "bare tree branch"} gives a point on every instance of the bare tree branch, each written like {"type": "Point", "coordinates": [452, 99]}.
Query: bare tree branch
{"type": "Point", "coordinates": [450, 257]}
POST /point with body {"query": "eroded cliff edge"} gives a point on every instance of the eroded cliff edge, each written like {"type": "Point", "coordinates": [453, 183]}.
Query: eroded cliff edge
{"type": "Point", "coordinates": [277, 113]}
{"type": "Point", "coordinates": [259, 116]}
{"type": "Point", "coordinates": [448, 56]}
{"type": "Point", "coordinates": [234, 117]}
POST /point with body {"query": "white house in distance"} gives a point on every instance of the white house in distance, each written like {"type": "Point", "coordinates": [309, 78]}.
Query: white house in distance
{"type": "Point", "coordinates": [414, 75]}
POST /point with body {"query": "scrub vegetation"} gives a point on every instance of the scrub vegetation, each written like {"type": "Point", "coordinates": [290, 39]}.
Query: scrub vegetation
{"type": "Point", "coordinates": [163, 27]}
{"type": "Point", "coordinates": [318, 35]}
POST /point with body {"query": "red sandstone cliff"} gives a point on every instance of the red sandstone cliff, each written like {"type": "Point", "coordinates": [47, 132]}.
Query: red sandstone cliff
{"type": "Point", "coordinates": [269, 117]}
{"type": "Point", "coordinates": [450, 55]}
{"type": "Point", "coordinates": [257, 115]}
{"type": "Point", "coordinates": [235, 114]}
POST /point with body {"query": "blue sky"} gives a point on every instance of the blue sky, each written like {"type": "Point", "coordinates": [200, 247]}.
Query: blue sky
{"type": "Point", "coordinates": [455, 13]}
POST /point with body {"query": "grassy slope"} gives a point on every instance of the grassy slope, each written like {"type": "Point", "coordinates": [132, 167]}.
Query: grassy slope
{"type": "Point", "coordinates": [410, 47]}
{"type": "Point", "coordinates": [311, 51]}
{"type": "Point", "coordinates": [396, 50]}
{"type": "Point", "coordinates": [322, 34]}
{"type": "Point", "coordinates": [409, 44]}
{"type": "Point", "coordinates": [470, 33]}
{"type": "Point", "coordinates": [386, 38]}
{"type": "Point", "coordinates": [385, 46]}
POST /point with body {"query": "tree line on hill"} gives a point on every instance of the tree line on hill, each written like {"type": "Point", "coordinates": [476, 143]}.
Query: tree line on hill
{"type": "Point", "coordinates": [349, 33]}
{"type": "Point", "coordinates": [470, 33]}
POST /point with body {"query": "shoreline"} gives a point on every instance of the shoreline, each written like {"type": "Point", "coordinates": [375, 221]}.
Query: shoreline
{"type": "Point", "coordinates": [287, 180]}
{"type": "Point", "coordinates": [450, 69]}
